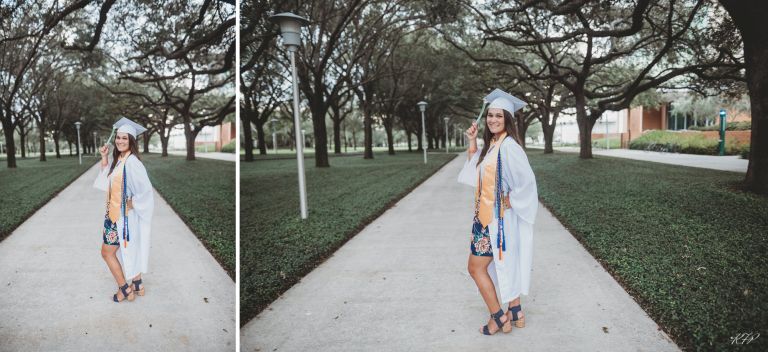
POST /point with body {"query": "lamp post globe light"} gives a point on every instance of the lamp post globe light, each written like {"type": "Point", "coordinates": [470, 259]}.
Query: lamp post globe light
{"type": "Point", "coordinates": [423, 107]}
{"type": "Point", "coordinates": [290, 31]}
{"type": "Point", "coordinates": [79, 152]}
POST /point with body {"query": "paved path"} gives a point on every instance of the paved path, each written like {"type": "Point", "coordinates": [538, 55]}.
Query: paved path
{"type": "Point", "coordinates": [402, 285]}
{"type": "Point", "coordinates": [726, 162]}
{"type": "Point", "coordinates": [210, 155]}
{"type": "Point", "coordinates": [55, 290]}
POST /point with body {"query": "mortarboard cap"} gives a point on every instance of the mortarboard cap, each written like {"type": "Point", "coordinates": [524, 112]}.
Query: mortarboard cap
{"type": "Point", "coordinates": [500, 99]}
{"type": "Point", "coordinates": [127, 126]}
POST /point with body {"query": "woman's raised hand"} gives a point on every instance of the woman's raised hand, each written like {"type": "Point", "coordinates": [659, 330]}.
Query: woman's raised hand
{"type": "Point", "coordinates": [472, 132]}
{"type": "Point", "coordinates": [104, 150]}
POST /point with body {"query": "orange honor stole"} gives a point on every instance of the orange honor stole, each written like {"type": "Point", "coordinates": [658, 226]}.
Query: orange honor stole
{"type": "Point", "coordinates": [117, 197]}
{"type": "Point", "coordinates": [488, 195]}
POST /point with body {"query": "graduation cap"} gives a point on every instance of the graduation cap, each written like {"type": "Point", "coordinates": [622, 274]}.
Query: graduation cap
{"type": "Point", "coordinates": [125, 125]}
{"type": "Point", "coordinates": [503, 100]}
{"type": "Point", "coordinates": [499, 99]}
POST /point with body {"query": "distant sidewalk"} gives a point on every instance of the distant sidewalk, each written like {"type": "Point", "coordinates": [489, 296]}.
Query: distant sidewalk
{"type": "Point", "coordinates": [725, 163]}
{"type": "Point", "coordinates": [210, 155]}
{"type": "Point", "coordinates": [55, 290]}
{"type": "Point", "coordinates": [402, 285]}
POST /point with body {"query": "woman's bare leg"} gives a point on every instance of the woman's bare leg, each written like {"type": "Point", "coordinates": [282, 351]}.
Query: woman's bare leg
{"type": "Point", "coordinates": [109, 254]}
{"type": "Point", "coordinates": [110, 257]}
{"type": "Point", "coordinates": [478, 269]}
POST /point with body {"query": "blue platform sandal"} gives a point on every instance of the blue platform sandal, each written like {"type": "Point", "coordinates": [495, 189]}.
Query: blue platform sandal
{"type": "Point", "coordinates": [138, 289]}
{"type": "Point", "coordinates": [519, 321]}
{"type": "Point", "coordinates": [505, 327]}
{"type": "Point", "coordinates": [126, 295]}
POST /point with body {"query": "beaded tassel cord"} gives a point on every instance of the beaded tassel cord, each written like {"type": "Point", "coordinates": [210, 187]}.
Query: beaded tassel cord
{"type": "Point", "coordinates": [123, 207]}
{"type": "Point", "coordinates": [501, 244]}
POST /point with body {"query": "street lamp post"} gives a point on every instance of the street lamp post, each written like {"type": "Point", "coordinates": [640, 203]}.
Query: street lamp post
{"type": "Point", "coordinates": [722, 132]}
{"type": "Point", "coordinates": [447, 140]}
{"type": "Point", "coordinates": [423, 107]}
{"type": "Point", "coordinates": [79, 147]}
{"type": "Point", "coordinates": [290, 30]}
{"type": "Point", "coordinates": [95, 149]}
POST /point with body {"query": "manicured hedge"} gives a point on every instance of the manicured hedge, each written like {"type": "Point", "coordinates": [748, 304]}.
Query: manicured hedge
{"type": "Point", "coordinates": [729, 126]}
{"type": "Point", "coordinates": [229, 147]}
{"type": "Point", "coordinates": [688, 143]}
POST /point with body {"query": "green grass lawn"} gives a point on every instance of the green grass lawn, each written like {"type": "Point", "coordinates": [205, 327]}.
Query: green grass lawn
{"type": "Point", "coordinates": [202, 192]}
{"type": "Point", "coordinates": [277, 248]}
{"type": "Point", "coordinates": [33, 183]}
{"type": "Point", "coordinates": [685, 242]}
{"type": "Point", "coordinates": [310, 152]}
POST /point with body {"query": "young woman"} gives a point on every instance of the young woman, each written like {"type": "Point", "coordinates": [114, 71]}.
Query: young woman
{"type": "Point", "coordinates": [130, 204]}
{"type": "Point", "coordinates": [506, 201]}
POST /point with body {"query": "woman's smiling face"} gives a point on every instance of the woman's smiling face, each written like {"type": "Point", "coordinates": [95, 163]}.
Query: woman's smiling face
{"type": "Point", "coordinates": [495, 120]}
{"type": "Point", "coordinates": [122, 142]}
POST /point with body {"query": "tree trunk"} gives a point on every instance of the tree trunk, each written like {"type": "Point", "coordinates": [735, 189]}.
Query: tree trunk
{"type": "Point", "coordinates": [521, 132]}
{"type": "Point", "coordinates": [549, 134]}
{"type": "Point", "coordinates": [390, 137]}
{"type": "Point", "coordinates": [336, 135]}
{"type": "Point", "coordinates": [164, 143]}
{"type": "Point", "coordinates": [23, 140]}
{"type": "Point", "coordinates": [750, 21]}
{"type": "Point", "coordinates": [41, 128]}
{"type": "Point", "coordinates": [77, 148]}
{"type": "Point", "coordinates": [10, 147]}
{"type": "Point", "coordinates": [319, 110]}
{"type": "Point", "coordinates": [408, 135]}
{"type": "Point", "coordinates": [248, 139]}
{"type": "Point", "coordinates": [69, 146]}
{"type": "Point", "coordinates": [262, 142]}
{"type": "Point", "coordinates": [419, 139]}
{"type": "Point", "coordinates": [190, 136]}
{"type": "Point", "coordinates": [56, 145]}
{"type": "Point", "coordinates": [146, 138]}
{"type": "Point", "coordinates": [585, 128]}
{"type": "Point", "coordinates": [368, 133]}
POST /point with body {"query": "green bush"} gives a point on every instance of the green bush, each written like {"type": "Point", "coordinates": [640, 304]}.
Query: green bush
{"type": "Point", "coordinates": [729, 126]}
{"type": "Point", "coordinates": [745, 152]}
{"type": "Point", "coordinates": [229, 147]}
{"type": "Point", "coordinates": [687, 143]}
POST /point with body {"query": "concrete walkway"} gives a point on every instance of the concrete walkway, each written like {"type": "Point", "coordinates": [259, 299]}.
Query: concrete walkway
{"type": "Point", "coordinates": [402, 285]}
{"type": "Point", "coordinates": [56, 291]}
{"type": "Point", "coordinates": [726, 162]}
{"type": "Point", "coordinates": [210, 155]}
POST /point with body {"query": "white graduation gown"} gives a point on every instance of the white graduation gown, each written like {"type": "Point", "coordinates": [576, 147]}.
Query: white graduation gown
{"type": "Point", "coordinates": [133, 258]}
{"type": "Point", "coordinates": [512, 275]}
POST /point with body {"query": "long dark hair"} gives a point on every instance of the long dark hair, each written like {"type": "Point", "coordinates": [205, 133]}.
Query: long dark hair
{"type": "Point", "coordinates": [509, 125]}
{"type": "Point", "coordinates": [133, 146]}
